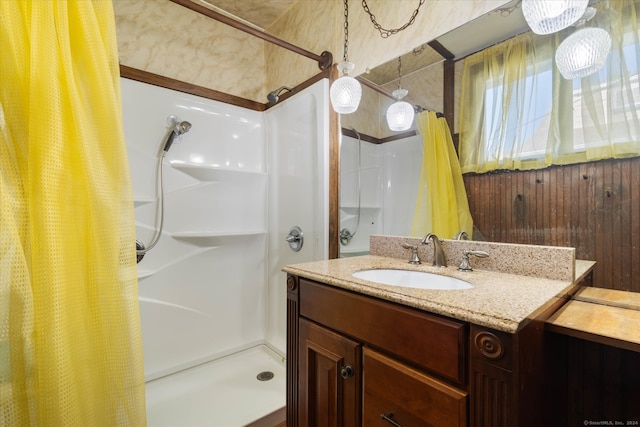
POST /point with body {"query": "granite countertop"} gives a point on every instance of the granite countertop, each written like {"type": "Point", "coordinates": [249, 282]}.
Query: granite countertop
{"type": "Point", "coordinates": [502, 301]}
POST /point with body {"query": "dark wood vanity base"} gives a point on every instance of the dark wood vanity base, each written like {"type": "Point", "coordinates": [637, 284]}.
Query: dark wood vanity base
{"type": "Point", "coordinates": [359, 360]}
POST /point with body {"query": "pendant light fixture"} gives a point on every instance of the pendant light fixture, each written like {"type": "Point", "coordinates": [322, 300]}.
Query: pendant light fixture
{"type": "Point", "coordinates": [400, 113]}
{"type": "Point", "coordinates": [345, 92]}
{"type": "Point", "coordinates": [583, 52]}
{"type": "Point", "coordinates": [550, 16]}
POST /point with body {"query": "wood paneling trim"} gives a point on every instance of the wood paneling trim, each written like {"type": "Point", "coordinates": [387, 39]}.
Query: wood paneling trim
{"type": "Point", "coordinates": [594, 207]}
{"type": "Point", "coordinates": [334, 176]}
{"type": "Point", "coordinates": [374, 140]}
{"type": "Point", "coordinates": [448, 93]}
{"type": "Point", "coordinates": [180, 86]}
{"type": "Point", "coordinates": [293, 357]}
{"type": "Point", "coordinates": [169, 83]}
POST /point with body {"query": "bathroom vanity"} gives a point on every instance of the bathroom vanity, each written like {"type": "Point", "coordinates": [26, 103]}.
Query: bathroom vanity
{"type": "Point", "coordinates": [363, 353]}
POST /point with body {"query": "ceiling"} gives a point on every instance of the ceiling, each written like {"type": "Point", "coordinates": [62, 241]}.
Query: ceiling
{"type": "Point", "coordinates": [484, 31]}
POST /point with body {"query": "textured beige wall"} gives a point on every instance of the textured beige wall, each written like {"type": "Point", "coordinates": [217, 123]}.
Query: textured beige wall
{"type": "Point", "coordinates": [318, 25]}
{"type": "Point", "coordinates": [167, 39]}
{"type": "Point", "coordinates": [309, 24]}
{"type": "Point", "coordinates": [170, 40]}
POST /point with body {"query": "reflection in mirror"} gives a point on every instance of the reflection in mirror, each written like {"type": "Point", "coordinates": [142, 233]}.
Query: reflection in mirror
{"type": "Point", "coordinates": [388, 177]}
{"type": "Point", "coordinates": [389, 163]}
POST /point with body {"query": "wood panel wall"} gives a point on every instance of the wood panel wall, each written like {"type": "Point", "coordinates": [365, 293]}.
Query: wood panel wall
{"type": "Point", "coordinates": [591, 382]}
{"type": "Point", "coordinates": [594, 207]}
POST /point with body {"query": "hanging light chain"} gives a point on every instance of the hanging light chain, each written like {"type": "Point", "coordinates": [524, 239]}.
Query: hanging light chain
{"type": "Point", "coordinates": [384, 33]}
{"type": "Point", "coordinates": [345, 56]}
{"type": "Point", "coordinates": [399, 71]}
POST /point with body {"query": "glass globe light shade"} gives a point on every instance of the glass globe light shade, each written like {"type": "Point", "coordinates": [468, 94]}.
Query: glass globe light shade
{"type": "Point", "coordinates": [550, 16]}
{"type": "Point", "coordinates": [400, 113]}
{"type": "Point", "coordinates": [345, 93]}
{"type": "Point", "coordinates": [583, 52]}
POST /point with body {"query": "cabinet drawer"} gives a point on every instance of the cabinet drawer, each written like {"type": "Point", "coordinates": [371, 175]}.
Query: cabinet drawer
{"type": "Point", "coordinates": [407, 396]}
{"type": "Point", "coordinates": [430, 341]}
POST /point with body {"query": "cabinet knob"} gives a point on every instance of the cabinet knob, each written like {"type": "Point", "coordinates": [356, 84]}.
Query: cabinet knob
{"type": "Point", "coordinates": [346, 371]}
{"type": "Point", "coordinates": [389, 418]}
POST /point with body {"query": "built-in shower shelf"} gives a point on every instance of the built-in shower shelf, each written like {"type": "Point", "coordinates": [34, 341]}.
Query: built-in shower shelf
{"type": "Point", "coordinates": [212, 173]}
{"type": "Point", "coordinates": [208, 239]}
{"type": "Point", "coordinates": [352, 207]}
{"type": "Point", "coordinates": [353, 250]}
{"type": "Point", "coordinates": [143, 274]}
{"type": "Point", "coordinates": [141, 201]}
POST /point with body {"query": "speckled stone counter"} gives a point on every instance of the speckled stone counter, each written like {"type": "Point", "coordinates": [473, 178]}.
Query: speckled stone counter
{"type": "Point", "coordinates": [498, 300]}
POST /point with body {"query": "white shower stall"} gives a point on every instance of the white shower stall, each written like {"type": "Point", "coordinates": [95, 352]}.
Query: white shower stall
{"type": "Point", "coordinates": [212, 294]}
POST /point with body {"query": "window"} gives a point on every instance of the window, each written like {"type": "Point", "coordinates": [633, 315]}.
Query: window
{"type": "Point", "coordinates": [517, 112]}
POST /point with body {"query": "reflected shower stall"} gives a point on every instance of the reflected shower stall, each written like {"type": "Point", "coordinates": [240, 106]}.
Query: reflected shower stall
{"type": "Point", "coordinates": [378, 190]}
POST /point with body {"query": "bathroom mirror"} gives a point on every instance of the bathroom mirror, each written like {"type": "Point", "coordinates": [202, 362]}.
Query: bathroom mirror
{"type": "Point", "coordinates": [380, 169]}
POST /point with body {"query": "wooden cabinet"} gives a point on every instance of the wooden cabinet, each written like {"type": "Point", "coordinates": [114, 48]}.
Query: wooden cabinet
{"type": "Point", "coordinates": [407, 396]}
{"type": "Point", "coordinates": [357, 360]}
{"type": "Point", "coordinates": [330, 371]}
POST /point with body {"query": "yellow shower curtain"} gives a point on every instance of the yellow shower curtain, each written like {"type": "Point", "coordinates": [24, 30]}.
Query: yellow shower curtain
{"type": "Point", "coordinates": [70, 343]}
{"type": "Point", "coordinates": [441, 207]}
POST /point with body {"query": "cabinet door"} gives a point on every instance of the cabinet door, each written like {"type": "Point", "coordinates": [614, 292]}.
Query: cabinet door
{"type": "Point", "coordinates": [396, 394]}
{"type": "Point", "coordinates": [329, 378]}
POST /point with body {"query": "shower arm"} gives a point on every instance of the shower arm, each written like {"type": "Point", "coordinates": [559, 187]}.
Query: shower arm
{"type": "Point", "coordinates": [274, 96]}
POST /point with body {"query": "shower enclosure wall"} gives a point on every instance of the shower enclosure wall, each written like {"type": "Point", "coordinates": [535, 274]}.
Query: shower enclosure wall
{"type": "Point", "coordinates": [389, 179]}
{"type": "Point", "coordinates": [212, 296]}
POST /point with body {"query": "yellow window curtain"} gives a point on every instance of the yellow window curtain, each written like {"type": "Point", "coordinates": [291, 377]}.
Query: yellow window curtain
{"type": "Point", "coordinates": [70, 342]}
{"type": "Point", "coordinates": [518, 112]}
{"type": "Point", "coordinates": [441, 207]}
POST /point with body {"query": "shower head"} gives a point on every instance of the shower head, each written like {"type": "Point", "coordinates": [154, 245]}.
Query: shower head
{"type": "Point", "coordinates": [176, 128]}
{"type": "Point", "coordinates": [182, 127]}
{"type": "Point", "coordinates": [275, 95]}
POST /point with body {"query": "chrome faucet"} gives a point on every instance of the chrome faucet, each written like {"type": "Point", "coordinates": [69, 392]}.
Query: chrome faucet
{"type": "Point", "coordinates": [439, 258]}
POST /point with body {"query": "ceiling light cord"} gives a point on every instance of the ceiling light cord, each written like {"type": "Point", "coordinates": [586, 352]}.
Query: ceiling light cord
{"type": "Point", "coordinates": [345, 55]}
{"type": "Point", "coordinates": [385, 33]}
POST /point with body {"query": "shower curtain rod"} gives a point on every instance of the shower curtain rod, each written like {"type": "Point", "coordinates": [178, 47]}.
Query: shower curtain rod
{"type": "Point", "coordinates": [378, 89]}
{"type": "Point", "coordinates": [325, 60]}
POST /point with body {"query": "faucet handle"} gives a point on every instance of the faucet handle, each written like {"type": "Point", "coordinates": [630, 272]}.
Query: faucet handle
{"type": "Point", "coordinates": [414, 253]}
{"type": "Point", "coordinates": [465, 265]}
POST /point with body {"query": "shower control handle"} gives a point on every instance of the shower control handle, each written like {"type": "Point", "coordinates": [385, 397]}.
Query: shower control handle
{"type": "Point", "coordinates": [295, 238]}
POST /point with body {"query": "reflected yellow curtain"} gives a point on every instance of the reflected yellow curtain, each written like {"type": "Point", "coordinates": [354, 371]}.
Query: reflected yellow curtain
{"type": "Point", "coordinates": [441, 207]}
{"type": "Point", "coordinates": [70, 343]}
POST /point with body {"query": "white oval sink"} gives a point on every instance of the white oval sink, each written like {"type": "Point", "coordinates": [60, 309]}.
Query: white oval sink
{"type": "Point", "coordinates": [412, 279]}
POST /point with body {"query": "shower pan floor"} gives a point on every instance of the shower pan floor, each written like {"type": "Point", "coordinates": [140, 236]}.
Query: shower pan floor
{"type": "Point", "coordinates": [221, 393]}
